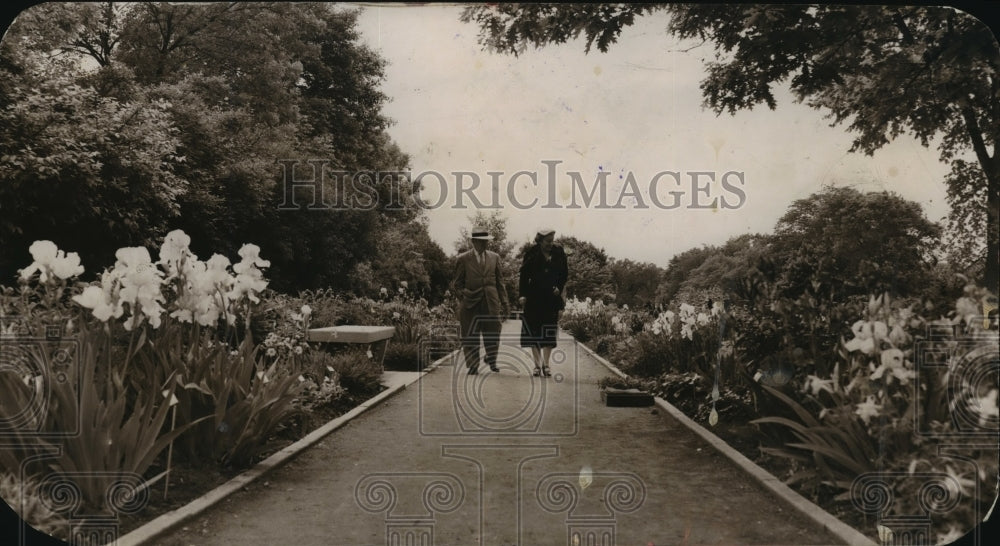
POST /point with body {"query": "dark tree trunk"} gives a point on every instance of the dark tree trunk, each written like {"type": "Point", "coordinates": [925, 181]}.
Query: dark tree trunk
{"type": "Point", "coordinates": [991, 277]}
{"type": "Point", "coordinates": [991, 168]}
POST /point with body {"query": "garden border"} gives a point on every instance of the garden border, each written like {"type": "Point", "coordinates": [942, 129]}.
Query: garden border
{"type": "Point", "coordinates": [165, 522]}
{"type": "Point", "coordinates": [841, 530]}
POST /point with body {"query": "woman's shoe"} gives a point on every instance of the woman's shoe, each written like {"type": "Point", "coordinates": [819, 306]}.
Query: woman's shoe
{"type": "Point", "coordinates": [547, 372]}
{"type": "Point", "coordinates": [537, 373]}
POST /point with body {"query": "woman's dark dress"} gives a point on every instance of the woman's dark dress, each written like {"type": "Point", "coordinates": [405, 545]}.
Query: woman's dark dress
{"type": "Point", "coordinates": [539, 275]}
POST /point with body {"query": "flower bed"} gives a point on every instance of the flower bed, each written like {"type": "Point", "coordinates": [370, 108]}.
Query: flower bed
{"type": "Point", "coordinates": [860, 431]}
{"type": "Point", "coordinates": [180, 363]}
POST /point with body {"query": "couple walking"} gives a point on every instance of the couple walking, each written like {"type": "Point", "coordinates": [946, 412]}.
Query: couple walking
{"type": "Point", "coordinates": [478, 282]}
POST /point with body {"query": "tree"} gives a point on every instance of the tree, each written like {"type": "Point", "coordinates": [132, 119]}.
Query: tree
{"type": "Point", "coordinates": [678, 270]}
{"type": "Point", "coordinates": [881, 70]}
{"type": "Point", "coordinates": [121, 122]}
{"type": "Point", "coordinates": [635, 283]}
{"type": "Point", "coordinates": [723, 269]}
{"type": "Point", "coordinates": [841, 242]}
{"type": "Point", "coordinates": [340, 92]}
{"type": "Point", "coordinates": [89, 173]}
{"type": "Point", "coordinates": [589, 271]}
{"type": "Point", "coordinates": [92, 29]}
{"type": "Point", "coordinates": [405, 252]}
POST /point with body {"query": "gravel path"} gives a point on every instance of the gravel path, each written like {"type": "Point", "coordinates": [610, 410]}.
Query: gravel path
{"type": "Point", "coordinates": [501, 460]}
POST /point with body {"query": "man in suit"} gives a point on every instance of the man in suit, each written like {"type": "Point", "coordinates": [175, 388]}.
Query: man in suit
{"type": "Point", "coordinates": [482, 300]}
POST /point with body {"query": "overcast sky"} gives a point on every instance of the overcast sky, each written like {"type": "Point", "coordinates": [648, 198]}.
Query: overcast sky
{"type": "Point", "coordinates": [636, 109]}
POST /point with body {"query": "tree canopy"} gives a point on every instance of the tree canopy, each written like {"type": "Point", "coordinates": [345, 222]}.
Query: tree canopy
{"type": "Point", "coordinates": [589, 270]}
{"type": "Point", "coordinates": [880, 70]}
{"type": "Point", "coordinates": [635, 282]}
{"type": "Point", "coordinates": [841, 243]}
{"type": "Point", "coordinates": [122, 121]}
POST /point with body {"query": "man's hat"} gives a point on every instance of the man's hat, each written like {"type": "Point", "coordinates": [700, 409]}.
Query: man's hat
{"type": "Point", "coordinates": [481, 234]}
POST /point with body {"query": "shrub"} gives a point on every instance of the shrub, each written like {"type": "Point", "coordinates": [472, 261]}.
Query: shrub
{"type": "Point", "coordinates": [321, 387]}
{"type": "Point", "coordinates": [402, 357]}
{"type": "Point", "coordinates": [359, 375]}
{"type": "Point", "coordinates": [316, 364]}
{"type": "Point", "coordinates": [281, 323]}
{"type": "Point", "coordinates": [604, 345]}
{"type": "Point", "coordinates": [679, 387]}
{"type": "Point", "coordinates": [973, 480]}
{"type": "Point", "coordinates": [683, 341]}
{"type": "Point", "coordinates": [327, 307]}
{"type": "Point", "coordinates": [587, 319]}
{"type": "Point", "coordinates": [650, 356]}
{"type": "Point", "coordinates": [326, 393]}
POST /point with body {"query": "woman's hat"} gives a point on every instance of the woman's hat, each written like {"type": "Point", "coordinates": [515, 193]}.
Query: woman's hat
{"type": "Point", "coordinates": [543, 233]}
{"type": "Point", "coordinates": [481, 234]}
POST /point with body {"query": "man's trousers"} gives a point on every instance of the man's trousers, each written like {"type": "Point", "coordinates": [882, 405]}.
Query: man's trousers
{"type": "Point", "coordinates": [477, 323]}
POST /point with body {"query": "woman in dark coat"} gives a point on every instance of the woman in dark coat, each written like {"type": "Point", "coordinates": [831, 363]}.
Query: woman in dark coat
{"type": "Point", "coordinates": [543, 276]}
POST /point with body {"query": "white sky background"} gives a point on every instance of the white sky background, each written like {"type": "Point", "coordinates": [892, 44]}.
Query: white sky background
{"type": "Point", "coordinates": [637, 108]}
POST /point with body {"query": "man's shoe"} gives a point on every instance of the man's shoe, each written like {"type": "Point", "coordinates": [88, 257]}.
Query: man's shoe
{"type": "Point", "coordinates": [493, 367]}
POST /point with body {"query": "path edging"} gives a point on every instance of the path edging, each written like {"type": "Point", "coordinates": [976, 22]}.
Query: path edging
{"type": "Point", "coordinates": [841, 530]}
{"type": "Point", "coordinates": [153, 529]}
